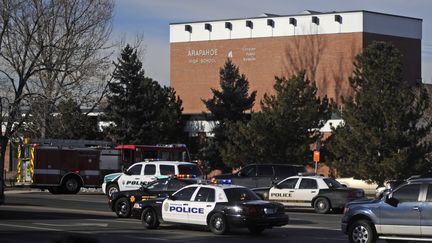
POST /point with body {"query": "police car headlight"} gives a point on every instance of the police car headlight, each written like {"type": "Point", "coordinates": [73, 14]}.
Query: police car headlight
{"type": "Point", "coordinates": [237, 209]}
{"type": "Point", "coordinates": [137, 205]}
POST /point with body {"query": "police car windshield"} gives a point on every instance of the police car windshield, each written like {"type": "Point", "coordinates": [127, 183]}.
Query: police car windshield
{"type": "Point", "coordinates": [240, 194]}
{"type": "Point", "coordinates": [332, 183]}
{"type": "Point", "coordinates": [189, 170]}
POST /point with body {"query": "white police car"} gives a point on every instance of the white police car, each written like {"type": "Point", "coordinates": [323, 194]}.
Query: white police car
{"type": "Point", "coordinates": [219, 207]}
{"type": "Point", "coordinates": [310, 190]}
{"type": "Point", "coordinates": [142, 173]}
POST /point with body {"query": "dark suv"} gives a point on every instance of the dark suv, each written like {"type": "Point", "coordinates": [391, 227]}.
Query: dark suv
{"type": "Point", "coordinates": [405, 214]}
{"type": "Point", "coordinates": [255, 176]}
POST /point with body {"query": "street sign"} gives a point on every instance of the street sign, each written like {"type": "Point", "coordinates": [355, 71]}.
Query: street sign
{"type": "Point", "coordinates": [316, 156]}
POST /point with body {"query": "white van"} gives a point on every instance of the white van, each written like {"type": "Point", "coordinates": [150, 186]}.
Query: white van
{"type": "Point", "coordinates": [142, 173]}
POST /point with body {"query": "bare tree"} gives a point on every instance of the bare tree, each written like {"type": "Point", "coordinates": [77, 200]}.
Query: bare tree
{"type": "Point", "coordinates": [50, 49]}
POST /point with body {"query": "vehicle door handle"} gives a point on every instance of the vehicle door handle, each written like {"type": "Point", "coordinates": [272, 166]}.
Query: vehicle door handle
{"type": "Point", "coordinates": [313, 191]}
{"type": "Point", "coordinates": [416, 208]}
{"type": "Point", "coordinates": [137, 178]}
{"type": "Point", "coordinates": [185, 204]}
{"type": "Point", "coordinates": [209, 206]}
{"type": "Point", "coordinates": [291, 191]}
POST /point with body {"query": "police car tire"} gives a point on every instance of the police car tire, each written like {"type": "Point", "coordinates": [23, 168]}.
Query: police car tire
{"type": "Point", "coordinates": [255, 230]}
{"type": "Point", "coordinates": [218, 224]}
{"type": "Point", "coordinates": [322, 205]}
{"type": "Point", "coordinates": [122, 208]}
{"type": "Point", "coordinates": [111, 188]}
{"type": "Point", "coordinates": [149, 219]}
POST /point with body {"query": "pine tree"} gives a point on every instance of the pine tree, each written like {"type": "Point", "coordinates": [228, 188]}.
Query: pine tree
{"type": "Point", "coordinates": [285, 128]}
{"type": "Point", "coordinates": [142, 112]}
{"type": "Point", "coordinates": [383, 137]}
{"type": "Point", "coordinates": [227, 105]}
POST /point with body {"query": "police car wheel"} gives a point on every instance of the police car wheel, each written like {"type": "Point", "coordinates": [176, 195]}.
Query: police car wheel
{"type": "Point", "coordinates": [218, 224]}
{"type": "Point", "coordinates": [322, 205]}
{"type": "Point", "coordinates": [111, 188]}
{"type": "Point", "coordinates": [122, 208]}
{"type": "Point", "coordinates": [255, 230]}
{"type": "Point", "coordinates": [149, 219]}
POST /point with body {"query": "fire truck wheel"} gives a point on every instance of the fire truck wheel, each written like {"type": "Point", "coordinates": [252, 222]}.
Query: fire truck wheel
{"type": "Point", "coordinates": [55, 190]}
{"type": "Point", "coordinates": [71, 185]}
{"type": "Point", "coordinates": [111, 188]}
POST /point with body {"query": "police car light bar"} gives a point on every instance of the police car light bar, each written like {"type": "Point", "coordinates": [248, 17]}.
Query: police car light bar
{"type": "Point", "coordinates": [221, 181]}
{"type": "Point", "coordinates": [307, 174]}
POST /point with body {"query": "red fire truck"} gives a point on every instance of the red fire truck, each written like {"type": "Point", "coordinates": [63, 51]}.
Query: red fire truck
{"type": "Point", "coordinates": [64, 166]}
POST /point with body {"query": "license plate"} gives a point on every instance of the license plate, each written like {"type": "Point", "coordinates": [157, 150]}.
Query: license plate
{"type": "Point", "coordinates": [269, 211]}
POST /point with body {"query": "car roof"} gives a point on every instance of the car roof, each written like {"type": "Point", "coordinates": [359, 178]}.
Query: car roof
{"type": "Point", "coordinates": [423, 180]}
{"type": "Point", "coordinates": [165, 162]}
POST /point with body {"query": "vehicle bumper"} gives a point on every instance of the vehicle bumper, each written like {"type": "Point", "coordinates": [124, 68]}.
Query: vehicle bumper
{"type": "Point", "coordinates": [136, 213]}
{"type": "Point", "coordinates": [264, 221]}
{"type": "Point", "coordinates": [104, 187]}
{"type": "Point", "coordinates": [344, 224]}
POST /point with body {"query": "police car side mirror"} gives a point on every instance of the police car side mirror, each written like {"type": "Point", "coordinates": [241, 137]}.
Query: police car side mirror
{"type": "Point", "coordinates": [172, 198]}
{"type": "Point", "coordinates": [126, 172]}
{"type": "Point", "coordinates": [276, 186]}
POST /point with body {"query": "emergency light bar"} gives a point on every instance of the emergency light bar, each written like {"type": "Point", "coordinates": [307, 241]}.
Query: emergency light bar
{"type": "Point", "coordinates": [221, 181]}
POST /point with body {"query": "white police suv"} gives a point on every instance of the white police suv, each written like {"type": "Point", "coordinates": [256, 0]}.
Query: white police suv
{"type": "Point", "coordinates": [310, 190]}
{"type": "Point", "coordinates": [218, 206]}
{"type": "Point", "coordinates": [142, 173]}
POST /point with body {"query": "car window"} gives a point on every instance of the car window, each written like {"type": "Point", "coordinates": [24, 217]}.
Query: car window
{"type": "Point", "coordinates": [287, 170]}
{"type": "Point", "coordinates": [306, 183]}
{"type": "Point", "coordinates": [240, 194]}
{"type": "Point", "coordinates": [249, 171]}
{"type": "Point", "coordinates": [205, 195]}
{"type": "Point", "coordinates": [288, 184]}
{"type": "Point", "coordinates": [407, 193]}
{"type": "Point", "coordinates": [185, 194]}
{"type": "Point", "coordinates": [265, 170]}
{"type": "Point", "coordinates": [167, 169]}
{"type": "Point", "coordinates": [189, 170]}
{"type": "Point", "coordinates": [135, 170]}
{"type": "Point", "coordinates": [332, 183]}
{"type": "Point", "coordinates": [174, 185]}
{"type": "Point", "coordinates": [429, 194]}
{"type": "Point", "coordinates": [159, 185]}
{"type": "Point", "coordinates": [150, 170]}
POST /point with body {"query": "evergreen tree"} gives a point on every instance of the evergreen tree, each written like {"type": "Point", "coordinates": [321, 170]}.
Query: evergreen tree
{"type": "Point", "coordinates": [66, 122]}
{"type": "Point", "coordinates": [383, 132]}
{"type": "Point", "coordinates": [285, 128]}
{"type": "Point", "coordinates": [227, 105]}
{"type": "Point", "coordinates": [141, 110]}
{"type": "Point", "coordinates": [233, 100]}
{"type": "Point", "coordinates": [71, 123]}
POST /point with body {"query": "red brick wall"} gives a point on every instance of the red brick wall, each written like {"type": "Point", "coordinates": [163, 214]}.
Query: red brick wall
{"type": "Point", "coordinates": [328, 59]}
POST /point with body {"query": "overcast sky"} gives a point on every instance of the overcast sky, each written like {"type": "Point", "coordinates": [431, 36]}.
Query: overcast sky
{"type": "Point", "coordinates": [151, 18]}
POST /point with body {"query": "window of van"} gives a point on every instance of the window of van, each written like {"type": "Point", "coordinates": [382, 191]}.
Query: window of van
{"type": "Point", "coordinates": [167, 169]}
{"type": "Point", "coordinates": [190, 170]}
